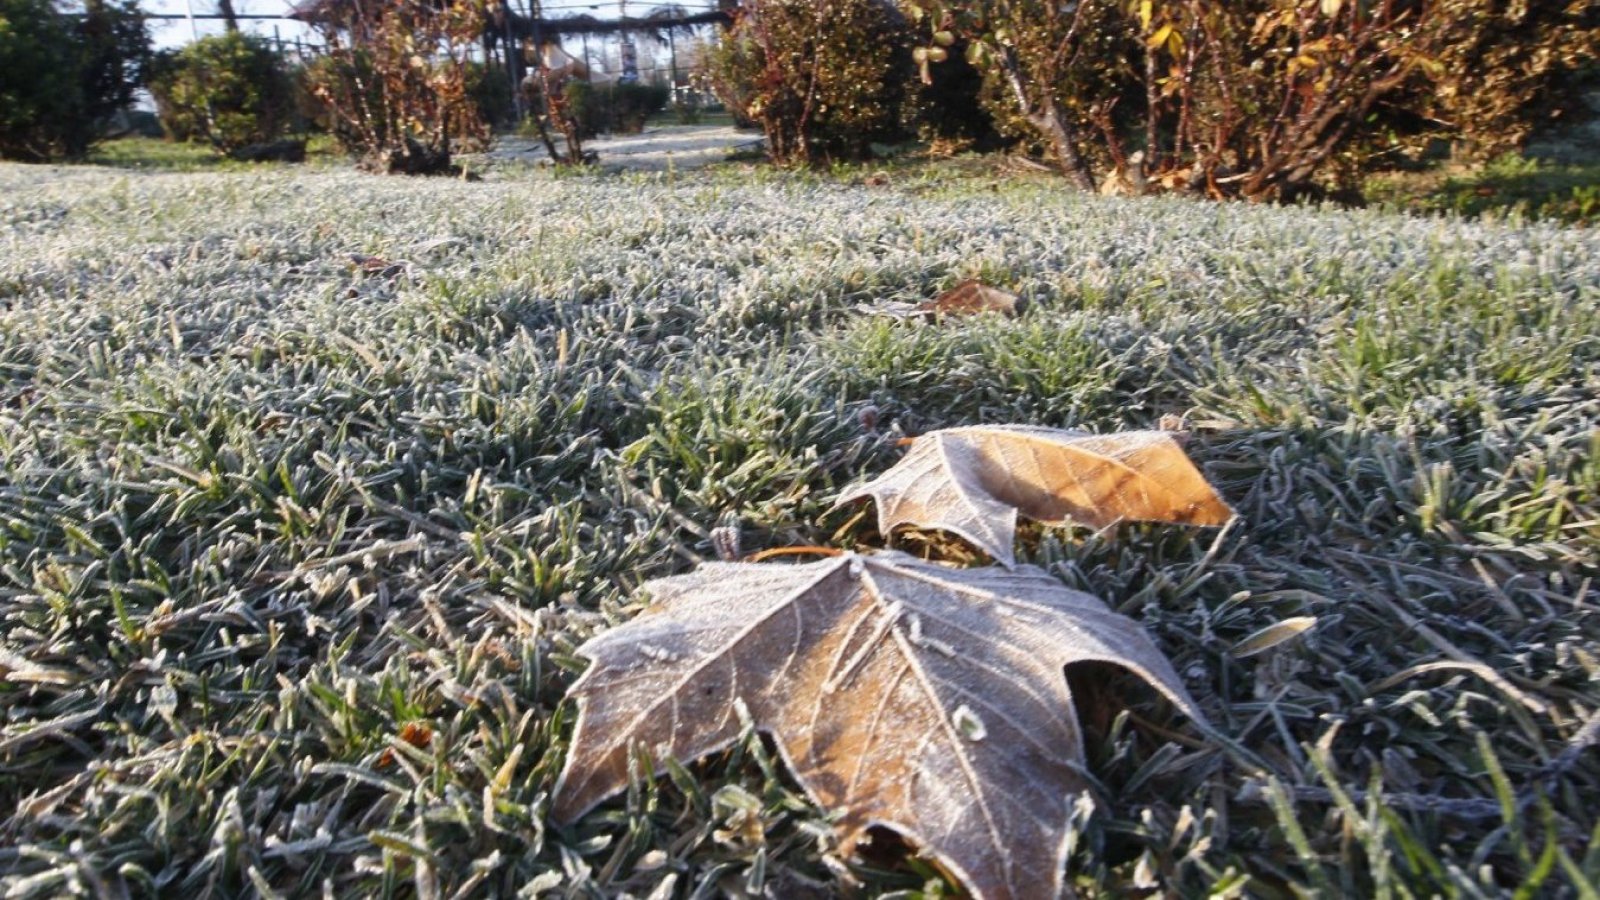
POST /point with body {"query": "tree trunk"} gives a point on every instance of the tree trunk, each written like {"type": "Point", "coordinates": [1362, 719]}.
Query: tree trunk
{"type": "Point", "coordinates": [1152, 113]}
{"type": "Point", "coordinates": [544, 136]}
{"type": "Point", "coordinates": [1064, 142]}
{"type": "Point", "coordinates": [1046, 116]}
{"type": "Point", "coordinates": [555, 108]}
{"type": "Point", "coordinates": [230, 19]}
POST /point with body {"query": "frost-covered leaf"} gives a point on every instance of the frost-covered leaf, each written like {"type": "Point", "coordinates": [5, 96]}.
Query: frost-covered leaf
{"type": "Point", "coordinates": [967, 298]}
{"type": "Point", "coordinates": [376, 265]}
{"type": "Point", "coordinates": [900, 693]}
{"type": "Point", "coordinates": [974, 481]}
{"type": "Point", "coordinates": [972, 296]}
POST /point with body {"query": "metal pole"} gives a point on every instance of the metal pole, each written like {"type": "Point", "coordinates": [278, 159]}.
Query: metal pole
{"type": "Point", "coordinates": [194, 32]}
{"type": "Point", "coordinates": [512, 48]}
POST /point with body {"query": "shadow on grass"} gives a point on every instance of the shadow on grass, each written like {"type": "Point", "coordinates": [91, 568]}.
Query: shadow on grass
{"type": "Point", "coordinates": [1509, 187]}
{"type": "Point", "coordinates": [160, 155]}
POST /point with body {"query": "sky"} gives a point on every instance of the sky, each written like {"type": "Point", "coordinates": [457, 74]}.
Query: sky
{"type": "Point", "coordinates": [167, 33]}
{"type": "Point", "coordinates": [177, 32]}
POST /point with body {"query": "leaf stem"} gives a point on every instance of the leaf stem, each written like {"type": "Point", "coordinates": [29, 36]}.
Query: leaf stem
{"type": "Point", "coordinates": [802, 550]}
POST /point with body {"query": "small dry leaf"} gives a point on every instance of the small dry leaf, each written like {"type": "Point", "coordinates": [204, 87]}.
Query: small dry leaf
{"type": "Point", "coordinates": [376, 265]}
{"type": "Point", "coordinates": [971, 296]}
{"type": "Point", "coordinates": [900, 693]}
{"type": "Point", "coordinates": [967, 298]}
{"type": "Point", "coordinates": [417, 734]}
{"type": "Point", "coordinates": [974, 482]}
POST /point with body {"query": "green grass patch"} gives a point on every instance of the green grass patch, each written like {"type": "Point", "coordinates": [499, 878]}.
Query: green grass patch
{"type": "Point", "coordinates": [159, 154]}
{"type": "Point", "coordinates": [1508, 187]}
{"type": "Point", "coordinates": [294, 557]}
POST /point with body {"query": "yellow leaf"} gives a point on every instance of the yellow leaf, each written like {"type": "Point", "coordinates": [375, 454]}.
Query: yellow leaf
{"type": "Point", "coordinates": [1160, 37]}
{"type": "Point", "coordinates": [1330, 8]}
{"type": "Point", "coordinates": [1145, 12]}
{"type": "Point", "coordinates": [975, 481]}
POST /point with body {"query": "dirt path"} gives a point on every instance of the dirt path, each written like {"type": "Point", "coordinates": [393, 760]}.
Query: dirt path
{"type": "Point", "coordinates": [680, 146]}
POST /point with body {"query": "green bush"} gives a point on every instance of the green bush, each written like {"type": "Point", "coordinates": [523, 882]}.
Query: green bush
{"type": "Point", "coordinates": [824, 80]}
{"type": "Point", "coordinates": [632, 104]}
{"type": "Point", "coordinates": [313, 80]}
{"type": "Point", "coordinates": [948, 110]}
{"type": "Point", "coordinates": [1503, 70]}
{"type": "Point", "coordinates": [614, 108]}
{"type": "Point", "coordinates": [1262, 99]}
{"type": "Point", "coordinates": [78, 71]}
{"type": "Point", "coordinates": [490, 89]}
{"type": "Point", "coordinates": [394, 83]}
{"type": "Point", "coordinates": [229, 91]}
{"type": "Point", "coordinates": [687, 112]}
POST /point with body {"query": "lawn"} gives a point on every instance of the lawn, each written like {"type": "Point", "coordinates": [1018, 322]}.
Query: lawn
{"type": "Point", "coordinates": [1507, 187]}
{"type": "Point", "coordinates": [294, 555]}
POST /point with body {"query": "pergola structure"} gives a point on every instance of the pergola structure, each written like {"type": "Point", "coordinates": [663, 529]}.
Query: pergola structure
{"type": "Point", "coordinates": [541, 32]}
{"type": "Point", "coordinates": [506, 28]}
{"type": "Point", "coordinates": [658, 22]}
{"type": "Point", "coordinates": [519, 40]}
{"type": "Point", "coordinates": [505, 22]}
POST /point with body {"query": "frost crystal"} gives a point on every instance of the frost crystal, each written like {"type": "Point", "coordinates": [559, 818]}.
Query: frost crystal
{"type": "Point", "coordinates": [968, 724]}
{"type": "Point", "coordinates": [659, 654]}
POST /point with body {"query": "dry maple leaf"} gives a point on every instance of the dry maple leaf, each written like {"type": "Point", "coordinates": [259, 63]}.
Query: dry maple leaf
{"type": "Point", "coordinates": [376, 265]}
{"type": "Point", "coordinates": [974, 481]}
{"type": "Point", "coordinates": [973, 296]}
{"type": "Point", "coordinates": [900, 693]}
{"type": "Point", "coordinates": [967, 298]}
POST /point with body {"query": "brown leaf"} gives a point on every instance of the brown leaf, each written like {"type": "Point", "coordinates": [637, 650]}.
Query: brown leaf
{"type": "Point", "coordinates": [376, 265]}
{"type": "Point", "coordinates": [971, 296]}
{"type": "Point", "coordinates": [967, 298]}
{"type": "Point", "coordinates": [900, 693]}
{"type": "Point", "coordinates": [974, 481]}
{"type": "Point", "coordinates": [417, 734]}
